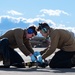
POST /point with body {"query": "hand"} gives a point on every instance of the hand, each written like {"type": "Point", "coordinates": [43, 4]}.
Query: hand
{"type": "Point", "coordinates": [39, 57]}
{"type": "Point", "coordinates": [36, 53]}
{"type": "Point", "coordinates": [33, 59]}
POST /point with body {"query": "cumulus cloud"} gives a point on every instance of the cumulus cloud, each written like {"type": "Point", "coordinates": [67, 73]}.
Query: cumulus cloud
{"type": "Point", "coordinates": [13, 12]}
{"type": "Point", "coordinates": [36, 21]}
{"type": "Point", "coordinates": [13, 19]}
{"type": "Point", "coordinates": [42, 15]}
{"type": "Point", "coordinates": [54, 12]}
{"type": "Point", "coordinates": [62, 26]}
{"type": "Point", "coordinates": [32, 20]}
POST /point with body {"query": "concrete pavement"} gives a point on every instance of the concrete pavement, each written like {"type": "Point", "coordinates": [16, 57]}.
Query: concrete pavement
{"type": "Point", "coordinates": [35, 71]}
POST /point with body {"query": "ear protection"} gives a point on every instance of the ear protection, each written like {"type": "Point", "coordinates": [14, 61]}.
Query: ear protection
{"type": "Point", "coordinates": [30, 31]}
{"type": "Point", "coordinates": [43, 28]}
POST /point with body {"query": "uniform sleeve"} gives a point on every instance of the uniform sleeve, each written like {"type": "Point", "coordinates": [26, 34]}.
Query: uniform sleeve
{"type": "Point", "coordinates": [29, 46]}
{"type": "Point", "coordinates": [54, 43]}
{"type": "Point", "coordinates": [19, 40]}
{"type": "Point", "coordinates": [42, 52]}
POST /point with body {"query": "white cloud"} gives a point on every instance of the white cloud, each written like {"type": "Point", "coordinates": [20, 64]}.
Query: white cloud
{"type": "Point", "coordinates": [42, 15]}
{"type": "Point", "coordinates": [13, 12]}
{"type": "Point", "coordinates": [32, 20]}
{"type": "Point", "coordinates": [37, 20]}
{"type": "Point", "coordinates": [13, 19]}
{"type": "Point", "coordinates": [0, 19]}
{"type": "Point", "coordinates": [54, 12]}
{"type": "Point", "coordinates": [65, 13]}
{"type": "Point", "coordinates": [62, 26]}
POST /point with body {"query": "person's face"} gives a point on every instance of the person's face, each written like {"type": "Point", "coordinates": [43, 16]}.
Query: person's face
{"type": "Point", "coordinates": [30, 35]}
{"type": "Point", "coordinates": [43, 34]}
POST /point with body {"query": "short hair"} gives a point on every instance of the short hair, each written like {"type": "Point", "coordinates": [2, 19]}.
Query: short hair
{"type": "Point", "coordinates": [42, 25]}
{"type": "Point", "coordinates": [33, 28]}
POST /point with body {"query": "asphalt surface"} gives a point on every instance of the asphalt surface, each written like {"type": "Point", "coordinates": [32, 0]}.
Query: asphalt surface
{"type": "Point", "coordinates": [34, 70]}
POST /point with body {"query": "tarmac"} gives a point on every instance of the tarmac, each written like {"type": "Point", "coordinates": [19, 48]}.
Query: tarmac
{"type": "Point", "coordinates": [34, 70]}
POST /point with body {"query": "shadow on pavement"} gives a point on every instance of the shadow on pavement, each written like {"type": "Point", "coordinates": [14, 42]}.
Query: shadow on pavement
{"type": "Point", "coordinates": [25, 69]}
{"type": "Point", "coordinates": [64, 70]}
{"type": "Point", "coordinates": [39, 70]}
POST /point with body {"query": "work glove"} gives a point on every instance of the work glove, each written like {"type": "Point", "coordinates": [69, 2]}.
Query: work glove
{"type": "Point", "coordinates": [33, 58]}
{"type": "Point", "coordinates": [38, 57]}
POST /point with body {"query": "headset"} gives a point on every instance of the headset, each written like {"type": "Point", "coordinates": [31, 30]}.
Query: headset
{"type": "Point", "coordinates": [30, 31]}
{"type": "Point", "coordinates": [44, 29]}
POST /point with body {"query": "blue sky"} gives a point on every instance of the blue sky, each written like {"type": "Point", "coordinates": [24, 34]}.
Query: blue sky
{"type": "Point", "coordinates": [57, 13]}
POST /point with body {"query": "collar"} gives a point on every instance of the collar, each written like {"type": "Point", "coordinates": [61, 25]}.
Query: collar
{"type": "Point", "coordinates": [51, 31]}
